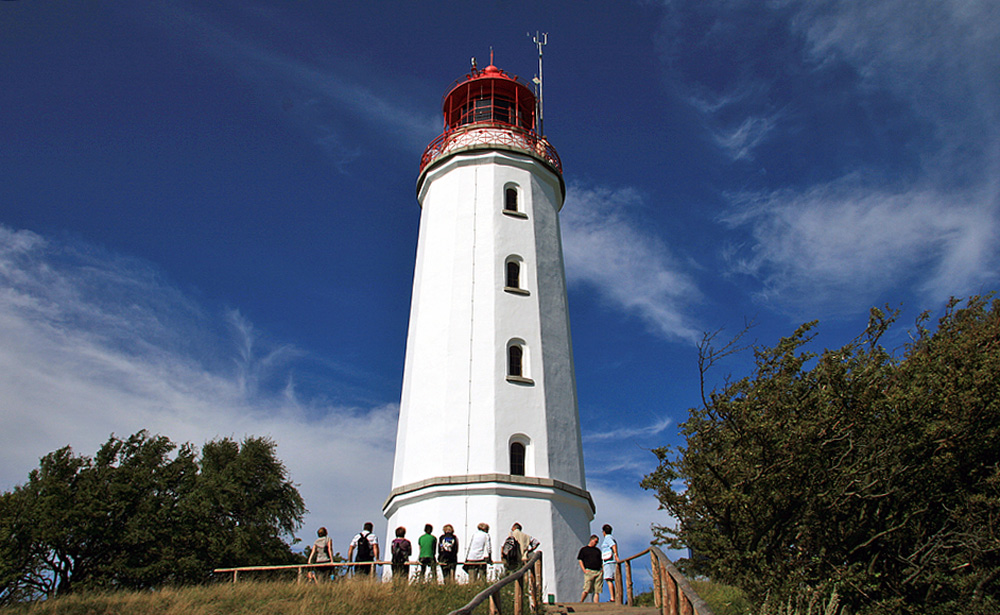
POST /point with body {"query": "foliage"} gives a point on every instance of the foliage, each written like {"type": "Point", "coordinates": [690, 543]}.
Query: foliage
{"type": "Point", "coordinates": [144, 513]}
{"type": "Point", "coordinates": [851, 469]}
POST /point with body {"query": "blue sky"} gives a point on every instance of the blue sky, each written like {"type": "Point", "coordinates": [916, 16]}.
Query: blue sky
{"type": "Point", "coordinates": [208, 220]}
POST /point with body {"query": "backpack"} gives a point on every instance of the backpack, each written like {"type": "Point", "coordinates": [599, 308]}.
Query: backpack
{"type": "Point", "coordinates": [510, 552]}
{"type": "Point", "coordinates": [364, 553]}
{"type": "Point", "coordinates": [400, 553]}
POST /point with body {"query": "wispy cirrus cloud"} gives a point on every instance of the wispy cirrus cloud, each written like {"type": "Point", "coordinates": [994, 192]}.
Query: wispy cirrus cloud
{"type": "Point", "coordinates": [325, 98]}
{"type": "Point", "coordinates": [630, 268]}
{"type": "Point", "coordinates": [626, 433]}
{"type": "Point", "coordinates": [740, 141]}
{"type": "Point", "coordinates": [837, 243]}
{"type": "Point", "coordinates": [899, 101]}
{"type": "Point", "coordinates": [854, 238]}
{"type": "Point", "coordinates": [95, 344]}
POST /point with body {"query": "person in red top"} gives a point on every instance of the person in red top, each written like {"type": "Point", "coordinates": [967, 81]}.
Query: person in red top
{"type": "Point", "coordinates": [401, 550]}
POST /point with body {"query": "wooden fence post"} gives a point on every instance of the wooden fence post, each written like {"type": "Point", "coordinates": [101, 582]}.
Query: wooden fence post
{"type": "Point", "coordinates": [630, 599]}
{"type": "Point", "coordinates": [519, 596]}
{"type": "Point", "coordinates": [618, 584]}
{"type": "Point", "coordinates": [657, 583]}
{"type": "Point", "coordinates": [538, 582]}
{"type": "Point", "coordinates": [670, 586]}
{"type": "Point", "coordinates": [494, 604]}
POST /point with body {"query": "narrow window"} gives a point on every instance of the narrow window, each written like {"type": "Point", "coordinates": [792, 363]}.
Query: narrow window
{"type": "Point", "coordinates": [514, 357]}
{"type": "Point", "coordinates": [517, 459]}
{"type": "Point", "coordinates": [513, 274]}
{"type": "Point", "coordinates": [510, 200]}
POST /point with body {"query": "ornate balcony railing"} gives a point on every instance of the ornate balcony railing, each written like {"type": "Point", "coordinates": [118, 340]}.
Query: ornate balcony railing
{"type": "Point", "coordinates": [483, 134]}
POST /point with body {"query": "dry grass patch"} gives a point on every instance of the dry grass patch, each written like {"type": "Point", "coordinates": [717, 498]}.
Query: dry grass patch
{"type": "Point", "coordinates": [345, 597]}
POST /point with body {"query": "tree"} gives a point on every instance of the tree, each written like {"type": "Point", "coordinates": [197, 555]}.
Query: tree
{"type": "Point", "coordinates": [145, 513]}
{"type": "Point", "coordinates": [852, 467]}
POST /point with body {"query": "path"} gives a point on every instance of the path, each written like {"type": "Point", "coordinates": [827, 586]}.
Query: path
{"type": "Point", "coordinates": [600, 608]}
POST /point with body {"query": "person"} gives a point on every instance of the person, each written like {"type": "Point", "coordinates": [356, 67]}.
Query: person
{"type": "Point", "coordinates": [366, 545]}
{"type": "Point", "coordinates": [609, 554]}
{"type": "Point", "coordinates": [448, 553]}
{"type": "Point", "coordinates": [321, 553]}
{"type": "Point", "coordinates": [427, 544]}
{"type": "Point", "coordinates": [401, 550]}
{"type": "Point", "coordinates": [527, 544]}
{"type": "Point", "coordinates": [480, 553]}
{"type": "Point", "coordinates": [590, 563]}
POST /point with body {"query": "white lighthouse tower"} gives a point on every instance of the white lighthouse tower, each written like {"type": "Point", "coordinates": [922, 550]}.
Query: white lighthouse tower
{"type": "Point", "coordinates": [489, 428]}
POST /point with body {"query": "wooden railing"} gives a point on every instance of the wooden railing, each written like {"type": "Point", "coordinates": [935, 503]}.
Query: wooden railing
{"type": "Point", "coordinates": [672, 593]}
{"type": "Point", "coordinates": [532, 569]}
{"type": "Point", "coordinates": [298, 568]}
{"type": "Point", "coordinates": [302, 569]}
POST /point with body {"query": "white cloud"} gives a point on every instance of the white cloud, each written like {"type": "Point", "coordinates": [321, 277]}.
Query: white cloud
{"type": "Point", "coordinates": [318, 91]}
{"type": "Point", "coordinates": [625, 433]}
{"type": "Point", "coordinates": [837, 243]}
{"type": "Point", "coordinates": [630, 268]}
{"type": "Point", "coordinates": [731, 127]}
{"type": "Point", "coordinates": [939, 58]}
{"type": "Point", "coordinates": [921, 213]}
{"type": "Point", "coordinates": [739, 142]}
{"type": "Point", "coordinates": [94, 344]}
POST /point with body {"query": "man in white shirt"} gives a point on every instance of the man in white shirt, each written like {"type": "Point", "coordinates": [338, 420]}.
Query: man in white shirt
{"type": "Point", "coordinates": [365, 544]}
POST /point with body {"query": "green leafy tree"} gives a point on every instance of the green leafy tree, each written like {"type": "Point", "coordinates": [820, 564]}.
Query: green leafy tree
{"type": "Point", "coordinates": [851, 467]}
{"type": "Point", "coordinates": [145, 513]}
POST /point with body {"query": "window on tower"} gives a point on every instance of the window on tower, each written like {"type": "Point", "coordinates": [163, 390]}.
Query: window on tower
{"type": "Point", "coordinates": [517, 454]}
{"type": "Point", "coordinates": [518, 366]}
{"type": "Point", "coordinates": [513, 280]}
{"type": "Point", "coordinates": [510, 200]}
{"type": "Point", "coordinates": [512, 205]}
{"type": "Point", "coordinates": [515, 360]}
{"type": "Point", "coordinates": [513, 274]}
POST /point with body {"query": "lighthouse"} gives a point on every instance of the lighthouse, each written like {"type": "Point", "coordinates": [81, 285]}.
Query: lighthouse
{"type": "Point", "coordinates": [489, 428]}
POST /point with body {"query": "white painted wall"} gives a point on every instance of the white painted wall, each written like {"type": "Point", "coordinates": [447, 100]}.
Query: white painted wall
{"type": "Point", "coordinates": [458, 412]}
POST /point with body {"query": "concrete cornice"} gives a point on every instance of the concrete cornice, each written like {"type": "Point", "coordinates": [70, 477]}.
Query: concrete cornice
{"type": "Point", "coordinates": [473, 155]}
{"type": "Point", "coordinates": [478, 479]}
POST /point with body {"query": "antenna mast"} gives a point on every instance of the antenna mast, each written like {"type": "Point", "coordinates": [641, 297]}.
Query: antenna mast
{"type": "Point", "coordinates": [540, 40]}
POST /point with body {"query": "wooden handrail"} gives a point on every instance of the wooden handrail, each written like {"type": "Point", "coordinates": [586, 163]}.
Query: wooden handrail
{"type": "Point", "coordinates": [533, 565]}
{"type": "Point", "coordinates": [676, 596]}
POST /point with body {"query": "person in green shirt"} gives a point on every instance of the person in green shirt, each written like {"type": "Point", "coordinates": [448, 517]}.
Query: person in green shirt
{"type": "Point", "coordinates": [427, 544]}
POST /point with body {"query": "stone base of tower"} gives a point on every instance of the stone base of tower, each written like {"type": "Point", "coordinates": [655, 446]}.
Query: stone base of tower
{"type": "Point", "coordinates": [558, 515]}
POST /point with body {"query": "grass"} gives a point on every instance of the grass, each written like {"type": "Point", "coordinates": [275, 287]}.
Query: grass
{"type": "Point", "coordinates": [723, 599]}
{"type": "Point", "coordinates": [345, 597]}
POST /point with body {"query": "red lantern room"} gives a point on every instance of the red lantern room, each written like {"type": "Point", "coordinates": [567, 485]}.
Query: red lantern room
{"type": "Point", "coordinates": [490, 96]}
{"type": "Point", "coordinates": [489, 109]}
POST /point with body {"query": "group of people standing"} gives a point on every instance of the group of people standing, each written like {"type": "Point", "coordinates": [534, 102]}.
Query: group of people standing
{"type": "Point", "coordinates": [598, 565]}
{"type": "Point", "coordinates": [432, 552]}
